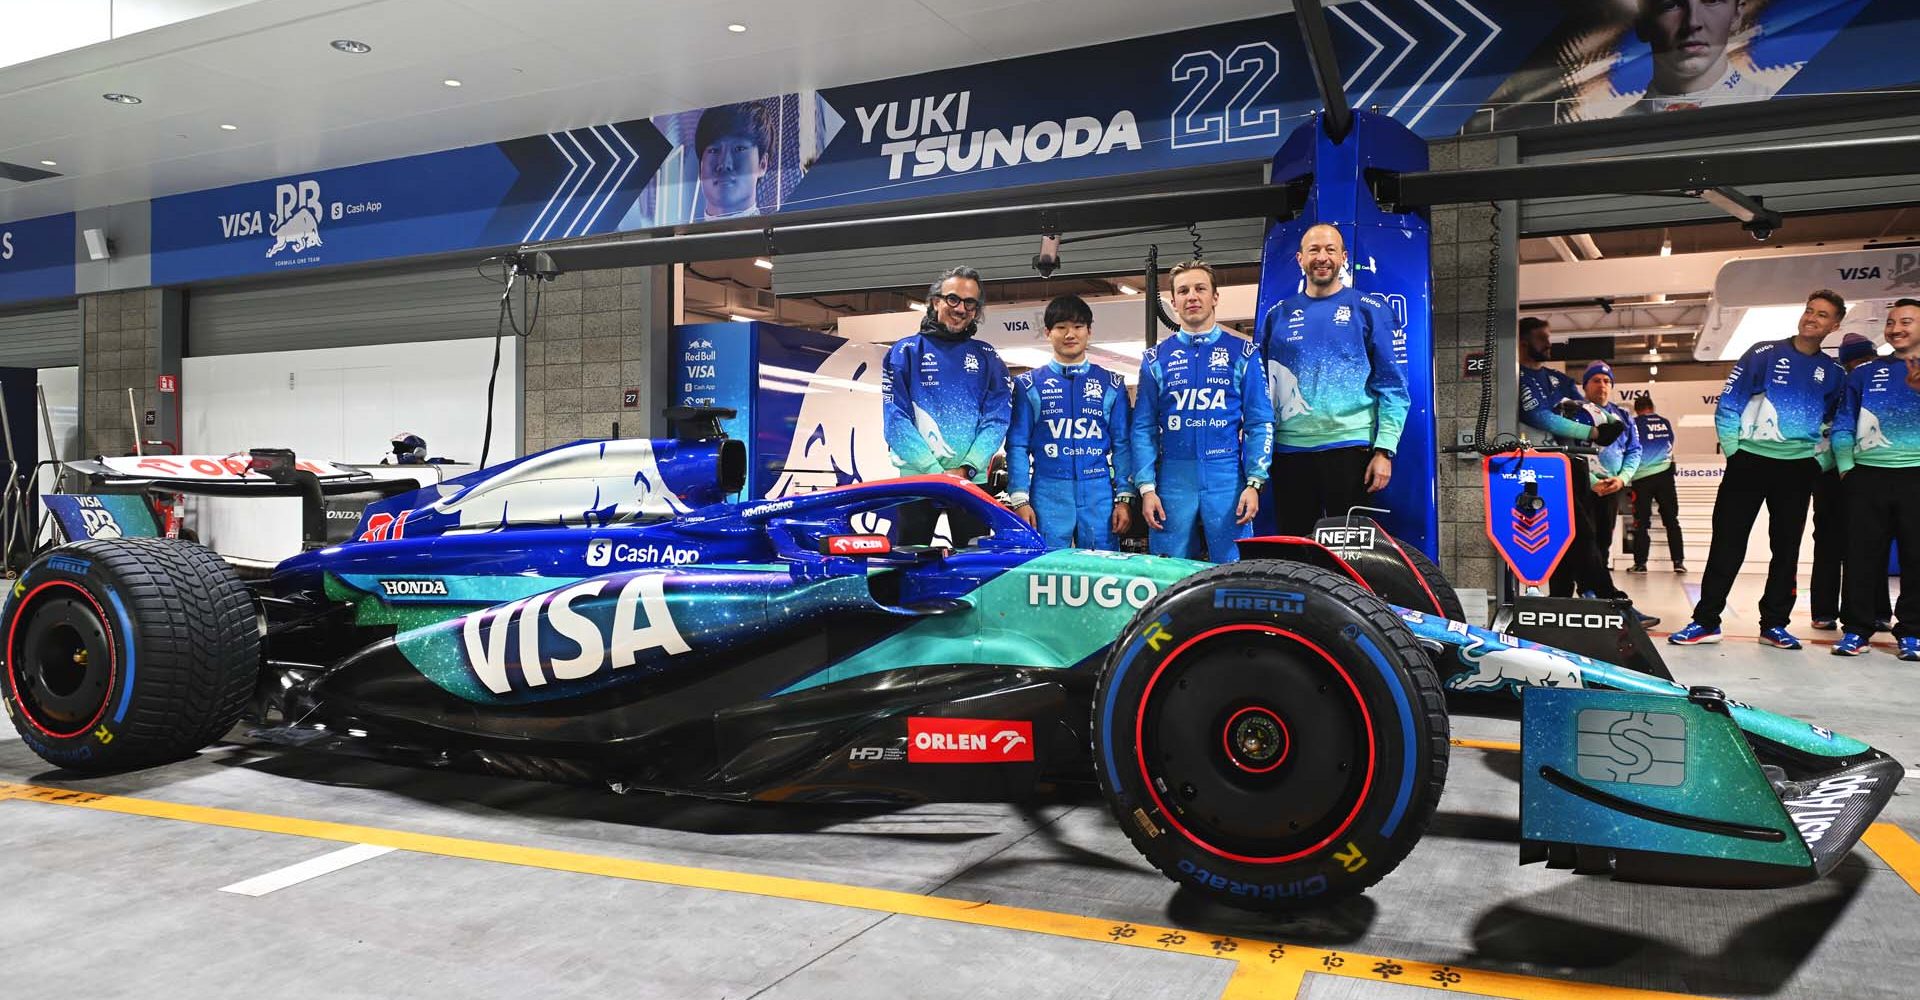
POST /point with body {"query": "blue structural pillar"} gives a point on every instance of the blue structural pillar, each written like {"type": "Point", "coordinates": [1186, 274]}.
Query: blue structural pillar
{"type": "Point", "coordinates": [1389, 254]}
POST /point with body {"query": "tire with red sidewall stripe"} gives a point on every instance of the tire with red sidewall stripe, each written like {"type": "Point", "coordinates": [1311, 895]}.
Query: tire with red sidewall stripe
{"type": "Point", "coordinates": [1450, 606]}
{"type": "Point", "coordinates": [124, 653]}
{"type": "Point", "coordinates": [1270, 735]}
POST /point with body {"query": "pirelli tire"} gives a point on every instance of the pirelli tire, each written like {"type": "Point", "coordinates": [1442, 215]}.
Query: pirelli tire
{"type": "Point", "coordinates": [124, 653]}
{"type": "Point", "coordinates": [1450, 606]}
{"type": "Point", "coordinates": [1270, 735]}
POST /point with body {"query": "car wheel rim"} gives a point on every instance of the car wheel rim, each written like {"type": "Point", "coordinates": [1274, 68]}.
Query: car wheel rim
{"type": "Point", "coordinates": [61, 660]}
{"type": "Point", "coordinates": [1255, 744]}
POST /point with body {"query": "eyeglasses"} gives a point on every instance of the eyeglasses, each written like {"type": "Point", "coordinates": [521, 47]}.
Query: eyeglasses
{"type": "Point", "coordinates": [956, 302]}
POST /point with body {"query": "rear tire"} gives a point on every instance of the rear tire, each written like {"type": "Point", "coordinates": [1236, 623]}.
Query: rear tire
{"type": "Point", "coordinates": [1450, 606]}
{"type": "Point", "coordinates": [123, 653]}
{"type": "Point", "coordinates": [1271, 735]}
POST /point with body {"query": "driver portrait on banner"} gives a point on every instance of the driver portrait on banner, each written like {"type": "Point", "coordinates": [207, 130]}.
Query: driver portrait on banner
{"type": "Point", "coordinates": [1691, 42]}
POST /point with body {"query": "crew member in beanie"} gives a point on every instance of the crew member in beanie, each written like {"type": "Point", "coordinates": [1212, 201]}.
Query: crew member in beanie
{"type": "Point", "coordinates": [947, 399]}
{"type": "Point", "coordinates": [1614, 468]}
{"type": "Point", "coordinates": [1876, 445]}
{"type": "Point", "coordinates": [1830, 524]}
{"type": "Point", "coordinates": [1654, 482]}
{"type": "Point", "coordinates": [1772, 421]}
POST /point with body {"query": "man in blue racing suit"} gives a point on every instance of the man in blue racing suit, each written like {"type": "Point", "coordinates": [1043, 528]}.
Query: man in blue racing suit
{"type": "Point", "coordinates": [947, 400]}
{"type": "Point", "coordinates": [1067, 458]}
{"type": "Point", "coordinates": [1202, 429]}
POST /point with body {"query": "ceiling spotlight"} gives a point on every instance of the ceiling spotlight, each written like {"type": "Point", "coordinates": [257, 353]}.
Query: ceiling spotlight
{"type": "Point", "coordinates": [737, 28]}
{"type": "Point", "coordinates": [1126, 289]}
{"type": "Point", "coordinates": [351, 47]}
{"type": "Point", "coordinates": [224, 127]}
{"type": "Point", "coordinates": [763, 264]}
{"type": "Point", "coordinates": [48, 163]}
{"type": "Point", "coordinates": [737, 318]}
{"type": "Point", "coordinates": [451, 82]}
{"type": "Point", "coordinates": [121, 98]}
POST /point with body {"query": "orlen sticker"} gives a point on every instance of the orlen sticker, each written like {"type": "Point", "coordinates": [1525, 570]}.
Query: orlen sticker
{"type": "Point", "coordinates": [968, 741]}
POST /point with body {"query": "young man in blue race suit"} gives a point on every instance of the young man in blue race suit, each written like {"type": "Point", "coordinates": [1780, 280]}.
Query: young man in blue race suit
{"type": "Point", "coordinates": [1202, 429]}
{"type": "Point", "coordinates": [1876, 444]}
{"type": "Point", "coordinates": [947, 398]}
{"type": "Point", "coordinates": [1653, 483]}
{"type": "Point", "coordinates": [1830, 517]}
{"type": "Point", "coordinates": [1552, 404]}
{"type": "Point", "coordinates": [1613, 469]}
{"type": "Point", "coordinates": [1339, 396]}
{"type": "Point", "coordinates": [1067, 458]}
{"type": "Point", "coordinates": [1772, 422]}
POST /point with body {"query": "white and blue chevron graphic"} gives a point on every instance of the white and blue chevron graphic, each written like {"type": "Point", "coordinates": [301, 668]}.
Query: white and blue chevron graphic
{"type": "Point", "coordinates": [1437, 41]}
{"type": "Point", "coordinates": [597, 154]}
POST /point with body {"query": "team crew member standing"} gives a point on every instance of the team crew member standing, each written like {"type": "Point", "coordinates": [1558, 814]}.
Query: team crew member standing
{"type": "Point", "coordinates": [1772, 419]}
{"type": "Point", "coordinates": [1615, 467]}
{"type": "Point", "coordinates": [1876, 443]}
{"type": "Point", "coordinates": [1550, 403]}
{"type": "Point", "coordinates": [1830, 520]}
{"type": "Point", "coordinates": [947, 399]}
{"type": "Point", "coordinates": [1202, 429]}
{"type": "Point", "coordinates": [1652, 483]}
{"type": "Point", "coordinates": [1339, 396]}
{"type": "Point", "coordinates": [1067, 456]}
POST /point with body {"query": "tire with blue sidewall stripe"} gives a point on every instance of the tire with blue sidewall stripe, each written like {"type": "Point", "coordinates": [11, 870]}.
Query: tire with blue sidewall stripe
{"type": "Point", "coordinates": [1270, 735]}
{"type": "Point", "coordinates": [125, 653]}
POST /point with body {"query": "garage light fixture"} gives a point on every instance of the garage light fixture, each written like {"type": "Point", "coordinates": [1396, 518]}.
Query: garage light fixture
{"type": "Point", "coordinates": [224, 127]}
{"type": "Point", "coordinates": [451, 82]}
{"type": "Point", "coordinates": [763, 264]}
{"type": "Point", "coordinates": [48, 163]}
{"type": "Point", "coordinates": [1126, 289]}
{"type": "Point", "coordinates": [916, 306]}
{"type": "Point", "coordinates": [737, 318]}
{"type": "Point", "coordinates": [119, 98]}
{"type": "Point", "coordinates": [737, 28]}
{"type": "Point", "coordinates": [351, 47]}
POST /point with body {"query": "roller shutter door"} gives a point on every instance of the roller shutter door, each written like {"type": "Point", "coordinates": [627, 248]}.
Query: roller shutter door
{"type": "Point", "coordinates": [387, 308]}
{"type": "Point", "coordinates": [1550, 216]}
{"type": "Point", "coordinates": [40, 338]}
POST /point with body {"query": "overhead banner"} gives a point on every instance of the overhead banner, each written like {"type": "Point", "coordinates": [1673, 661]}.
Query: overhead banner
{"type": "Point", "coordinates": [37, 258]}
{"type": "Point", "coordinates": [1217, 94]}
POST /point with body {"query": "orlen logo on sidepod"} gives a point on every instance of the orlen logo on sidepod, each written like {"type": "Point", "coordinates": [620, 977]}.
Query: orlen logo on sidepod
{"type": "Point", "coordinates": [968, 741]}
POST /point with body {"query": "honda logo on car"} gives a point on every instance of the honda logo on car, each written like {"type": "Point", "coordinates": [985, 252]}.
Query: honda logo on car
{"type": "Point", "coordinates": [641, 621]}
{"type": "Point", "coordinates": [968, 741]}
{"type": "Point", "coordinates": [1052, 589]}
{"type": "Point", "coordinates": [1571, 619]}
{"type": "Point", "coordinates": [1344, 538]}
{"type": "Point", "coordinates": [414, 588]}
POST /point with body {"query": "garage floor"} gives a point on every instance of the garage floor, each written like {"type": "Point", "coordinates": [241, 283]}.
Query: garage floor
{"type": "Point", "coordinates": [478, 887]}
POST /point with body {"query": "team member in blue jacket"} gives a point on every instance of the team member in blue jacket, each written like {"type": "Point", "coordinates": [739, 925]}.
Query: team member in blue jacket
{"type": "Point", "coordinates": [1067, 457]}
{"type": "Point", "coordinates": [1202, 429]}
{"type": "Point", "coordinates": [1339, 396]}
{"type": "Point", "coordinates": [1552, 404]}
{"type": "Point", "coordinates": [1830, 544]}
{"type": "Point", "coordinates": [1652, 483]}
{"type": "Point", "coordinates": [1876, 445]}
{"type": "Point", "coordinates": [1772, 422]}
{"type": "Point", "coordinates": [947, 399]}
{"type": "Point", "coordinates": [1613, 469]}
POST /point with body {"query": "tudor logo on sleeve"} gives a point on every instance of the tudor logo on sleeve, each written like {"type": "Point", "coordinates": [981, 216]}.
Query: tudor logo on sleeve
{"type": "Point", "coordinates": [968, 741]}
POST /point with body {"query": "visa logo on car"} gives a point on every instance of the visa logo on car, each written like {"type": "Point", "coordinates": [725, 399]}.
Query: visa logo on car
{"type": "Point", "coordinates": [641, 622]}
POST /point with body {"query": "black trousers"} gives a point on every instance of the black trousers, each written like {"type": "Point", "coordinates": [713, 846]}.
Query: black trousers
{"type": "Point", "coordinates": [1832, 553]}
{"type": "Point", "coordinates": [1584, 567]}
{"type": "Point", "coordinates": [1883, 505]}
{"type": "Point", "coordinates": [1784, 487]}
{"type": "Point", "coordinates": [1310, 485]}
{"type": "Point", "coordinates": [1657, 488]}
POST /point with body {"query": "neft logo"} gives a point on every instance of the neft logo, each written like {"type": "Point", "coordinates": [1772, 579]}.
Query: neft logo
{"type": "Point", "coordinates": [1281, 602]}
{"type": "Point", "coordinates": [968, 741]}
{"type": "Point", "coordinates": [1571, 619]}
{"type": "Point", "coordinates": [414, 588]}
{"type": "Point", "coordinates": [1344, 538]}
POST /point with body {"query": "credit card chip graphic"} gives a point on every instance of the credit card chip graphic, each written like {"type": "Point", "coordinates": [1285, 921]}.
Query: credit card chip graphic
{"type": "Point", "coordinates": [1637, 748]}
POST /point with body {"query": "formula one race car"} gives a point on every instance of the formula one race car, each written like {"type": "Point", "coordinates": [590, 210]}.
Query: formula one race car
{"type": "Point", "coordinates": [1272, 733]}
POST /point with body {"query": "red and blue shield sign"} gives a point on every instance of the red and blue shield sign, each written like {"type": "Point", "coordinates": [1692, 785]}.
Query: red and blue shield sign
{"type": "Point", "coordinates": [1530, 511]}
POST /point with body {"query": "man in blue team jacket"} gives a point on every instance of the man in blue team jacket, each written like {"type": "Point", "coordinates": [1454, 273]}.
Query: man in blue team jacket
{"type": "Point", "coordinates": [1653, 483]}
{"type": "Point", "coordinates": [1068, 465]}
{"type": "Point", "coordinates": [947, 399]}
{"type": "Point", "coordinates": [1772, 422]}
{"type": "Point", "coordinates": [1876, 445]}
{"type": "Point", "coordinates": [1614, 468]}
{"type": "Point", "coordinates": [1551, 403]}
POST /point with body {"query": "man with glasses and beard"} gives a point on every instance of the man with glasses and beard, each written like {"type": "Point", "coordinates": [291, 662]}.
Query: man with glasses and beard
{"type": "Point", "coordinates": [947, 399]}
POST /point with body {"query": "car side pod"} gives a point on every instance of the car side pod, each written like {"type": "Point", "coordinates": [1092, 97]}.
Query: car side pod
{"type": "Point", "coordinates": [1668, 790]}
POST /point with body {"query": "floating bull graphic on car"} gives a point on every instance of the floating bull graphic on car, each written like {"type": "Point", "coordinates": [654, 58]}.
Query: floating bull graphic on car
{"type": "Point", "coordinates": [1497, 667]}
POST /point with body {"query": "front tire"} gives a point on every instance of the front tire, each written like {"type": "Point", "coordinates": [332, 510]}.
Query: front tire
{"type": "Point", "coordinates": [1270, 734]}
{"type": "Point", "coordinates": [124, 653]}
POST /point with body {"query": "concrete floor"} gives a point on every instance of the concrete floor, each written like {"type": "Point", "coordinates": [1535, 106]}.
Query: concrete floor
{"type": "Point", "coordinates": [110, 904]}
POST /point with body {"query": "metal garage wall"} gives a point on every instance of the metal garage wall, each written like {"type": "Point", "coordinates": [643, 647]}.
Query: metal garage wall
{"type": "Point", "coordinates": [450, 304]}
{"type": "Point", "coordinates": [40, 338]}
{"type": "Point", "coordinates": [1550, 216]}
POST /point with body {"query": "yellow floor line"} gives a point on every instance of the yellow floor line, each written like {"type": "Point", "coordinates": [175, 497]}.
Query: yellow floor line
{"type": "Point", "coordinates": [1266, 968]}
{"type": "Point", "coordinates": [1508, 745]}
{"type": "Point", "coordinates": [1897, 849]}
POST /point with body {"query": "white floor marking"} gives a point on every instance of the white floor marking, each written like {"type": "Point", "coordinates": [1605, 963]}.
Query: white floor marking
{"type": "Point", "coordinates": [311, 868]}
